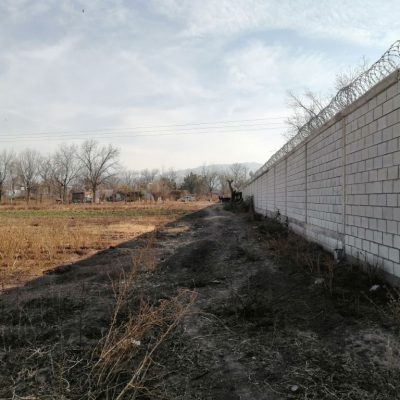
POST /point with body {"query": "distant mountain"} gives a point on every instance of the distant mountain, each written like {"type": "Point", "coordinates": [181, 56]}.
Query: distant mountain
{"type": "Point", "coordinates": [251, 166]}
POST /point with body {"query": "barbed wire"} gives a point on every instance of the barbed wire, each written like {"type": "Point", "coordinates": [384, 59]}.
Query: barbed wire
{"type": "Point", "coordinates": [388, 63]}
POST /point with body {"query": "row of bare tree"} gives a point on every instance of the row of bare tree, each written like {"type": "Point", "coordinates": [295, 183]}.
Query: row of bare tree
{"type": "Point", "coordinates": [92, 166]}
{"type": "Point", "coordinates": [211, 179]}
{"type": "Point", "coordinates": [203, 184]}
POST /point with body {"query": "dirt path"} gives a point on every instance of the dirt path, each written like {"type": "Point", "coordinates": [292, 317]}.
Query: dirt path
{"type": "Point", "coordinates": [220, 261]}
{"type": "Point", "coordinates": [258, 329]}
{"type": "Point", "coordinates": [263, 330]}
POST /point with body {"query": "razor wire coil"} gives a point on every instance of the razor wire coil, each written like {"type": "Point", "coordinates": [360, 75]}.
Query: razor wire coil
{"type": "Point", "coordinates": [388, 63]}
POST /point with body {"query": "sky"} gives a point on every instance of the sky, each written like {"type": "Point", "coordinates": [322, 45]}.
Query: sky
{"type": "Point", "coordinates": [175, 83]}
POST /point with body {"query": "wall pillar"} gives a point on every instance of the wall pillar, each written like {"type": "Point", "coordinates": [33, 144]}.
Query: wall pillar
{"type": "Point", "coordinates": [274, 189]}
{"type": "Point", "coordinates": [305, 184]}
{"type": "Point", "coordinates": [286, 185]}
{"type": "Point", "coordinates": [344, 183]}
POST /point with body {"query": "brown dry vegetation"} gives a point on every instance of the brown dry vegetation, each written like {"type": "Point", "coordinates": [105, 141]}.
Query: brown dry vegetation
{"type": "Point", "coordinates": [34, 239]}
{"type": "Point", "coordinates": [83, 330]}
{"type": "Point", "coordinates": [268, 316]}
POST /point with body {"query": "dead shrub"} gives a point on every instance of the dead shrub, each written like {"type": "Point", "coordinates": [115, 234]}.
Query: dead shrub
{"type": "Point", "coordinates": [272, 228]}
{"type": "Point", "coordinates": [293, 250]}
{"type": "Point", "coordinates": [394, 305]}
{"type": "Point", "coordinates": [126, 353]}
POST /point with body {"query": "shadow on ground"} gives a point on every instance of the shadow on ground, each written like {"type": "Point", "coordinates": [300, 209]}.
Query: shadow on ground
{"type": "Point", "coordinates": [260, 328]}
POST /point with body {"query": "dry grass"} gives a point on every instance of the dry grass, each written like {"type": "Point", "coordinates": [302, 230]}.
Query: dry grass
{"type": "Point", "coordinates": [127, 352]}
{"type": "Point", "coordinates": [290, 249]}
{"type": "Point", "coordinates": [38, 357]}
{"type": "Point", "coordinates": [326, 334]}
{"type": "Point", "coordinates": [34, 239]}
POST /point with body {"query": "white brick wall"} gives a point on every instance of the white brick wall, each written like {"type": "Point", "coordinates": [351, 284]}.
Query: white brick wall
{"type": "Point", "coordinates": [280, 187]}
{"type": "Point", "coordinates": [345, 175]}
{"type": "Point", "coordinates": [372, 172]}
{"type": "Point", "coordinates": [324, 180]}
{"type": "Point", "coordinates": [296, 185]}
{"type": "Point", "coordinates": [271, 190]}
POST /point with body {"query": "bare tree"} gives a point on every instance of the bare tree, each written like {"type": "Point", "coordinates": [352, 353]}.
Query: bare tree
{"type": "Point", "coordinates": [210, 179]}
{"type": "Point", "coordinates": [29, 168]}
{"type": "Point", "coordinates": [238, 173]}
{"type": "Point", "coordinates": [99, 164]}
{"type": "Point", "coordinates": [13, 176]}
{"type": "Point", "coordinates": [308, 105]}
{"type": "Point", "coordinates": [128, 182]}
{"type": "Point", "coordinates": [148, 176]}
{"type": "Point", "coordinates": [129, 179]}
{"type": "Point", "coordinates": [172, 177]}
{"type": "Point", "coordinates": [66, 168]}
{"type": "Point", "coordinates": [167, 181]}
{"type": "Point", "coordinates": [347, 76]}
{"type": "Point", "coordinates": [46, 173]}
{"type": "Point", "coordinates": [6, 159]}
{"type": "Point", "coordinates": [223, 182]}
{"type": "Point", "coordinates": [236, 177]}
{"type": "Point", "coordinates": [303, 108]}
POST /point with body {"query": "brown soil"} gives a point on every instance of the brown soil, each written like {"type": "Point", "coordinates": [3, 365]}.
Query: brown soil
{"type": "Point", "coordinates": [261, 328]}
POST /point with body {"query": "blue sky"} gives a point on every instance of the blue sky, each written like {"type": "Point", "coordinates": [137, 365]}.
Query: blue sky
{"type": "Point", "coordinates": [73, 66]}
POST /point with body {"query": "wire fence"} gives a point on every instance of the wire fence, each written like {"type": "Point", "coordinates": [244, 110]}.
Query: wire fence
{"type": "Point", "coordinates": [388, 63]}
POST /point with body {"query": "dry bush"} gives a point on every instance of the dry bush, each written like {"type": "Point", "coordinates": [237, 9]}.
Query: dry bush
{"type": "Point", "coordinates": [394, 305]}
{"type": "Point", "coordinates": [126, 353]}
{"type": "Point", "coordinates": [290, 248]}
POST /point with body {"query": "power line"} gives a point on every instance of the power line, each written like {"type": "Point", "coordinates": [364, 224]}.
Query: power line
{"type": "Point", "coordinates": [145, 129]}
{"type": "Point", "coordinates": [11, 139]}
{"type": "Point", "coordinates": [132, 130]}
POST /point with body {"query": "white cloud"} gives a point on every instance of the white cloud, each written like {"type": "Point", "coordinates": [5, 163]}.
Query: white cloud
{"type": "Point", "coordinates": [358, 21]}
{"type": "Point", "coordinates": [258, 66]}
{"type": "Point", "coordinates": [71, 66]}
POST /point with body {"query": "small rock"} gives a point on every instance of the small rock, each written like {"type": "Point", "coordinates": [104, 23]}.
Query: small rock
{"type": "Point", "coordinates": [319, 281]}
{"type": "Point", "coordinates": [374, 288]}
{"type": "Point", "coordinates": [294, 388]}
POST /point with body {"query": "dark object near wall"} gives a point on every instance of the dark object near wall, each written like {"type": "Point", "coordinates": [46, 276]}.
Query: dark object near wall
{"type": "Point", "coordinates": [223, 199]}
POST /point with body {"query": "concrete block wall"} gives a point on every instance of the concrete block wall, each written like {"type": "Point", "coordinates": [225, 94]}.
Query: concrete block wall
{"type": "Point", "coordinates": [264, 192]}
{"type": "Point", "coordinates": [257, 194]}
{"type": "Point", "coordinates": [296, 188]}
{"type": "Point", "coordinates": [324, 187]}
{"type": "Point", "coordinates": [372, 181]}
{"type": "Point", "coordinates": [280, 187]}
{"type": "Point", "coordinates": [270, 180]}
{"type": "Point", "coordinates": [341, 186]}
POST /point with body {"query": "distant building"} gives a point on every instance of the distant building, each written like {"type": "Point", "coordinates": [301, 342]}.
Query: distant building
{"type": "Point", "coordinates": [81, 196]}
